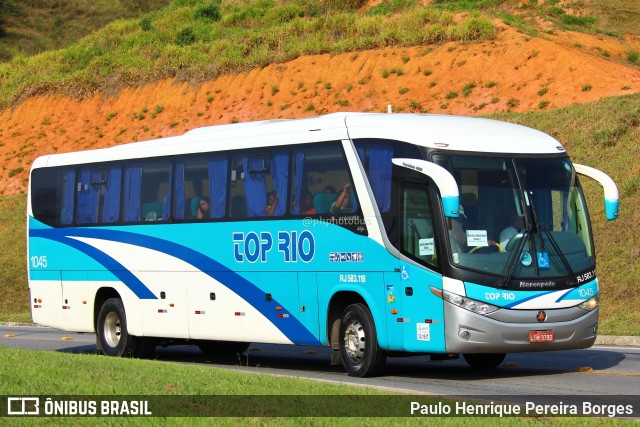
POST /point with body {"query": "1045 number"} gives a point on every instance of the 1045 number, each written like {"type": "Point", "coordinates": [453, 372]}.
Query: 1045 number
{"type": "Point", "coordinates": [39, 261]}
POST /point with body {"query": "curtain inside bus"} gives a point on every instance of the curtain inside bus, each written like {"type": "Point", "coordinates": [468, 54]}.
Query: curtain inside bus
{"type": "Point", "coordinates": [132, 180]}
{"type": "Point", "coordinates": [218, 186]}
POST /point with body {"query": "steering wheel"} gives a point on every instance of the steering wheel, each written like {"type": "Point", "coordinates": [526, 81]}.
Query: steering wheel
{"type": "Point", "coordinates": [492, 243]}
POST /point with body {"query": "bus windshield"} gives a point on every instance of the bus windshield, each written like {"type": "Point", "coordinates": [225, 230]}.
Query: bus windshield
{"type": "Point", "coordinates": [521, 219]}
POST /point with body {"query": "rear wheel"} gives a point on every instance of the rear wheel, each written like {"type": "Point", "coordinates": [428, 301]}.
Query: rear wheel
{"type": "Point", "coordinates": [485, 361]}
{"type": "Point", "coordinates": [113, 338]}
{"type": "Point", "coordinates": [361, 356]}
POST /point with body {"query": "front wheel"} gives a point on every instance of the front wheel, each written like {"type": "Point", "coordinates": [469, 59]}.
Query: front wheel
{"type": "Point", "coordinates": [485, 361]}
{"type": "Point", "coordinates": [113, 338]}
{"type": "Point", "coordinates": [361, 356]}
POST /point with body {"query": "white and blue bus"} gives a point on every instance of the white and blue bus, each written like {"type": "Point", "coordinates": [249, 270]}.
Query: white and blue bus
{"type": "Point", "coordinates": [373, 234]}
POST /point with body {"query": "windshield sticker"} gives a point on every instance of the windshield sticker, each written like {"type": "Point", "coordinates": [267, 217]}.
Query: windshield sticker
{"type": "Point", "coordinates": [543, 260]}
{"type": "Point", "coordinates": [477, 238]}
{"type": "Point", "coordinates": [426, 246]}
{"type": "Point", "coordinates": [526, 259]}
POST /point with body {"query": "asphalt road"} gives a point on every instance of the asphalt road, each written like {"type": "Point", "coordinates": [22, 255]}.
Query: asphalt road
{"type": "Point", "coordinates": [600, 370]}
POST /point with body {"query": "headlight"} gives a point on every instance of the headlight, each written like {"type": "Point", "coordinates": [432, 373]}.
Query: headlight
{"type": "Point", "coordinates": [475, 306]}
{"type": "Point", "coordinates": [590, 304]}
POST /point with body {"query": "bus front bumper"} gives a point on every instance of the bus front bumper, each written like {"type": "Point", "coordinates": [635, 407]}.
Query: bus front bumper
{"type": "Point", "coordinates": [508, 331]}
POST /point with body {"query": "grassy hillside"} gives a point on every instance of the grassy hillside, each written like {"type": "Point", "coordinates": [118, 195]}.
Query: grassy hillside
{"type": "Point", "coordinates": [14, 304]}
{"type": "Point", "coordinates": [195, 40]}
{"type": "Point", "coordinates": [34, 26]}
{"type": "Point", "coordinates": [602, 134]}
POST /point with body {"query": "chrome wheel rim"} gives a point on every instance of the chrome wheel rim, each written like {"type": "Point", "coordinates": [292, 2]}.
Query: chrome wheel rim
{"type": "Point", "coordinates": [112, 329]}
{"type": "Point", "coordinates": [354, 341]}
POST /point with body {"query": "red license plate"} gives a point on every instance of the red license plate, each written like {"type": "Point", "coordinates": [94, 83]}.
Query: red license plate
{"type": "Point", "coordinates": [541, 336]}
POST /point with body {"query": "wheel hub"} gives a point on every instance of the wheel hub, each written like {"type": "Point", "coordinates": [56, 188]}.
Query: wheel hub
{"type": "Point", "coordinates": [112, 329]}
{"type": "Point", "coordinates": [354, 341]}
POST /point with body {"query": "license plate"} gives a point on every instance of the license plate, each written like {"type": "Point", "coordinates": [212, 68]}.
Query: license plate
{"type": "Point", "coordinates": [541, 336]}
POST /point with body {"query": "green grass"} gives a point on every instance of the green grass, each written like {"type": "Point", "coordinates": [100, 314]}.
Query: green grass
{"type": "Point", "coordinates": [34, 26]}
{"type": "Point", "coordinates": [617, 16]}
{"type": "Point", "coordinates": [14, 304]}
{"type": "Point", "coordinates": [174, 42]}
{"type": "Point", "coordinates": [609, 17]}
{"type": "Point", "coordinates": [188, 389]}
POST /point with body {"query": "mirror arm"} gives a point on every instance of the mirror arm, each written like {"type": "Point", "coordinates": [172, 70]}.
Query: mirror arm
{"type": "Point", "coordinates": [611, 195]}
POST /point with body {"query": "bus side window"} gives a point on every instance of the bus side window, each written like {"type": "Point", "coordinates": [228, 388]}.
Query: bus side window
{"type": "Point", "coordinates": [147, 193]}
{"type": "Point", "coordinates": [375, 156]}
{"type": "Point", "coordinates": [197, 178]}
{"type": "Point", "coordinates": [320, 173]}
{"type": "Point", "coordinates": [53, 195]}
{"type": "Point", "coordinates": [98, 198]}
{"type": "Point", "coordinates": [417, 237]}
{"type": "Point", "coordinates": [259, 184]}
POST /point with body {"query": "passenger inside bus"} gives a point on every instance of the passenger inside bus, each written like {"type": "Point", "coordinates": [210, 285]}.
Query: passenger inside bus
{"type": "Point", "coordinates": [322, 201]}
{"type": "Point", "coordinates": [306, 204]}
{"type": "Point", "coordinates": [517, 224]}
{"type": "Point", "coordinates": [272, 202]}
{"type": "Point", "coordinates": [343, 201]}
{"type": "Point", "coordinates": [203, 209]}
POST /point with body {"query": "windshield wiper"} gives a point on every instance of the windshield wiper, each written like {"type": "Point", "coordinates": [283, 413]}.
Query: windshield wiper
{"type": "Point", "coordinates": [561, 255]}
{"type": "Point", "coordinates": [543, 228]}
{"type": "Point", "coordinates": [528, 230]}
{"type": "Point", "coordinates": [516, 257]}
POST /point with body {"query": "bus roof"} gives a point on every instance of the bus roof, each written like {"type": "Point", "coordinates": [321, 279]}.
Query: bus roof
{"type": "Point", "coordinates": [446, 132]}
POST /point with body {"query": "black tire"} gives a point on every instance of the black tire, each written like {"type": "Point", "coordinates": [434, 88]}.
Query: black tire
{"type": "Point", "coordinates": [485, 361]}
{"type": "Point", "coordinates": [219, 348]}
{"type": "Point", "coordinates": [113, 338]}
{"type": "Point", "coordinates": [361, 355]}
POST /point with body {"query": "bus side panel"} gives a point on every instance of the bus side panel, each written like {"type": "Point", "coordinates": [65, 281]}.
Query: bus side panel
{"type": "Point", "coordinates": [76, 309]}
{"type": "Point", "coordinates": [424, 331]}
{"type": "Point", "coordinates": [369, 285]}
{"type": "Point", "coordinates": [308, 301]}
{"type": "Point", "coordinates": [394, 310]}
{"type": "Point", "coordinates": [165, 316]}
{"type": "Point", "coordinates": [45, 291]}
{"type": "Point", "coordinates": [218, 313]}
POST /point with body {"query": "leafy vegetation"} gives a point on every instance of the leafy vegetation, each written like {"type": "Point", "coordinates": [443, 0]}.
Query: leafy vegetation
{"type": "Point", "coordinates": [14, 304]}
{"type": "Point", "coordinates": [198, 41]}
{"type": "Point", "coordinates": [30, 27]}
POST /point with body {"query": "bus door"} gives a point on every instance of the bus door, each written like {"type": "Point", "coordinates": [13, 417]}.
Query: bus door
{"type": "Point", "coordinates": [413, 312]}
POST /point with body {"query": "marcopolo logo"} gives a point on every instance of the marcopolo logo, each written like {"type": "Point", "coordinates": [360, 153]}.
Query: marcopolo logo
{"type": "Point", "coordinates": [291, 245]}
